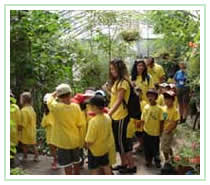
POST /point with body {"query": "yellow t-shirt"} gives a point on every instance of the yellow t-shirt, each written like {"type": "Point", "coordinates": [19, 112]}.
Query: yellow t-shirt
{"type": "Point", "coordinates": [68, 121]}
{"type": "Point", "coordinates": [144, 86]}
{"type": "Point", "coordinates": [122, 111]}
{"type": "Point", "coordinates": [15, 116]}
{"type": "Point", "coordinates": [160, 100]}
{"type": "Point", "coordinates": [172, 114]}
{"type": "Point", "coordinates": [83, 128]}
{"type": "Point", "coordinates": [48, 123]}
{"type": "Point", "coordinates": [156, 72]}
{"type": "Point", "coordinates": [171, 80]}
{"type": "Point", "coordinates": [28, 122]}
{"type": "Point", "coordinates": [152, 115]}
{"type": "Point", "coordinates": [99, 134]}
{"type": "Point", "coordinates": [176, 104]}
{"type": "Point", "coordinates": [131, 128]}
{"type": "Point", "coordinates": [112, 151]}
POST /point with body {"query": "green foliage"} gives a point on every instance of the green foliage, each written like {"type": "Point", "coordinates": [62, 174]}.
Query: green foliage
{"type": "Point", "coordinates": [41, 139]}
{"type": "Point", "coordinates": [190, 146]}
{"type": "Point", "coordinates": [17, 171]}
{"type": "Point", "coordinates": [38, 55]}
{"type": "Point", "coordinates": [130, 35]}
{"type": "Point", "coordinates": [178, 28]}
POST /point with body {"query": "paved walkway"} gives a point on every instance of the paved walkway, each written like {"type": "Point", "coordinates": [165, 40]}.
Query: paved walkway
{"type": "Point", "coordinates": [43, 167]}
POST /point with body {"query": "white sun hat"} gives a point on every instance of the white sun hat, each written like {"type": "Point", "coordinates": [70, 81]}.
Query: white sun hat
{"type": "Point", "coordinates": [63, 89]}
{"type": "Point", "coordinates": [89, 93]}
{"type": "Point", "coordinates": [46, 97]}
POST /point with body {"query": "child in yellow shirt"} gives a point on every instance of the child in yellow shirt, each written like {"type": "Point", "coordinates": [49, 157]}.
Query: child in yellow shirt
{"type": "Point", "coordinates": [47, 123]}
{"type": "Point", "coordinates": [98, 138]}
{"type": "Point", "coordinates": [15, 116]}
{"type": "Point", "coordinates": [66, 135]}
{"type": "Point", "coordinates": [171, 119]}
{"type": "Point", "coordinates": [28, 125]}
{"type": "Point", "coordinates": [152, 117]}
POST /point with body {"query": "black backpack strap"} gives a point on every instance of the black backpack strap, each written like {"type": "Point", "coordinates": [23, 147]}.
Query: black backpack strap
{"type": "Point", "coordinates": [125, 105]}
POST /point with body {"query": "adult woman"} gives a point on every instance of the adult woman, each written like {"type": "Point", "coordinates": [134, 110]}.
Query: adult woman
{"type": "Point", "coordinates": [183, 91]}
{"type": "Point", "coordinates": [141, 78]}
{"type": "Point", "coordinates": [120, 92]}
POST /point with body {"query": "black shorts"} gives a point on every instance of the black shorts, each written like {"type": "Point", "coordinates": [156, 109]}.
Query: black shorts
{"type": "Point", "coordinates": [68, 157]}
{"type": "Point", "coordinates": [139, 134]}
{"type": "Point", "coordinates": [95, 162]}
{"type": "Point", "coordinates": [119, 128]}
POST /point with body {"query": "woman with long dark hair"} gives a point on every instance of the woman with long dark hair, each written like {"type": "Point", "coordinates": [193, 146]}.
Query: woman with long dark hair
{"type": "Point", "coordinates": [141, 78]}
{"type": "Point", "coordinates": [120, 92]}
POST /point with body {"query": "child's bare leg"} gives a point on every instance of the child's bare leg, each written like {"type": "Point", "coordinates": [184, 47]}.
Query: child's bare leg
{"type": "Point", "coordinates": [107, 170]}
{"type": "Point", "coordinates": [130, 160]}
{"type": "Point", "coordinates": [185, 110]}
{"type": "Point", "coordinates": [36, 152]}
{"type": "Point", "coordinates": [68, 170]}
{"type": "Point", "coordinates": [166, 155]}
{"type": "Point", "coordinates": [101, 171]}
{"type": "Point", "coordinates": [181, 110]}
{"type": "Point", "coordinates": [76, 169]}
{"type": "Point", "coordinates": [140, 140]}
{"type": "Point", "coordinates": [94, 172]}
{"type": "Point", "coordinates": [53, 153]}
{"type": "Point", "coordinates": [124, 159]}
{"type": "Point", "coordinates": [25, 151]}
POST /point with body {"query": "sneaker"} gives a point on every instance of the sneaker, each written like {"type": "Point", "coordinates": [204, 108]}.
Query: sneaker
{"type": "Point", "coordinates": [148, 164]}
{"type": "Point", "coordinates": [128, 170]}
{"type": "Point", "coordinates": [36, 159]}
{"type": "Point", "coordinates": [118, 167]}
{"type": "Point", "coordinates": [158, 165]}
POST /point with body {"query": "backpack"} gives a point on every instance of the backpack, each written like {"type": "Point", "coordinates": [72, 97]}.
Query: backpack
{"type": "Point", "coordinates": [148, 79]}
{"type": "Point", "coordinates": [133, 105]}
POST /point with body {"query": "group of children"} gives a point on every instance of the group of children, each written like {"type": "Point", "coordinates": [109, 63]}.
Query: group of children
{"type": "Point", "coordinates": [84, 122]}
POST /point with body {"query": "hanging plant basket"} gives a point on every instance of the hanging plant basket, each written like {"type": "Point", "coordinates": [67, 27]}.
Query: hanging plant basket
{"type": "Point", "coordinates": [130, 35]}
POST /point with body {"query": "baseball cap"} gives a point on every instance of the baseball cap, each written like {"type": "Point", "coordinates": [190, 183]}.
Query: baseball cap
{"type": "Point", "coordinates": [152, 91]}
{"type": "Point", "coordinates": [164, 85]}
{"type": "Point", "coordinates": [169, 93]}
{"type": "Point", "coordinates": [100, 92]}
{"type": "Point", "coordinates": [97, 100]}
{"type": "Point", "coordinates": [172, 85]}
{"type": "Point", "coordinates": [63, 89]}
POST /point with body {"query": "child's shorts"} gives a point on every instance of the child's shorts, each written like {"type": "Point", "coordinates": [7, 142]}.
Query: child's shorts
{"type": "Point", "coordinates": [97, 162]}
{"type": "Point", "coordinates": [68, 157]}
{"type": "Point", "coordinates": [166, 142]}
{"type": "Point", "coordinates": [139, 134]}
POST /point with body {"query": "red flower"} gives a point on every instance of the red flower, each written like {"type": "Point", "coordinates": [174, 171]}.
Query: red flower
{"type": "Point", "coordinates": [177, 158]}
{"type": "Point", "coordinates": [195, 160]}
